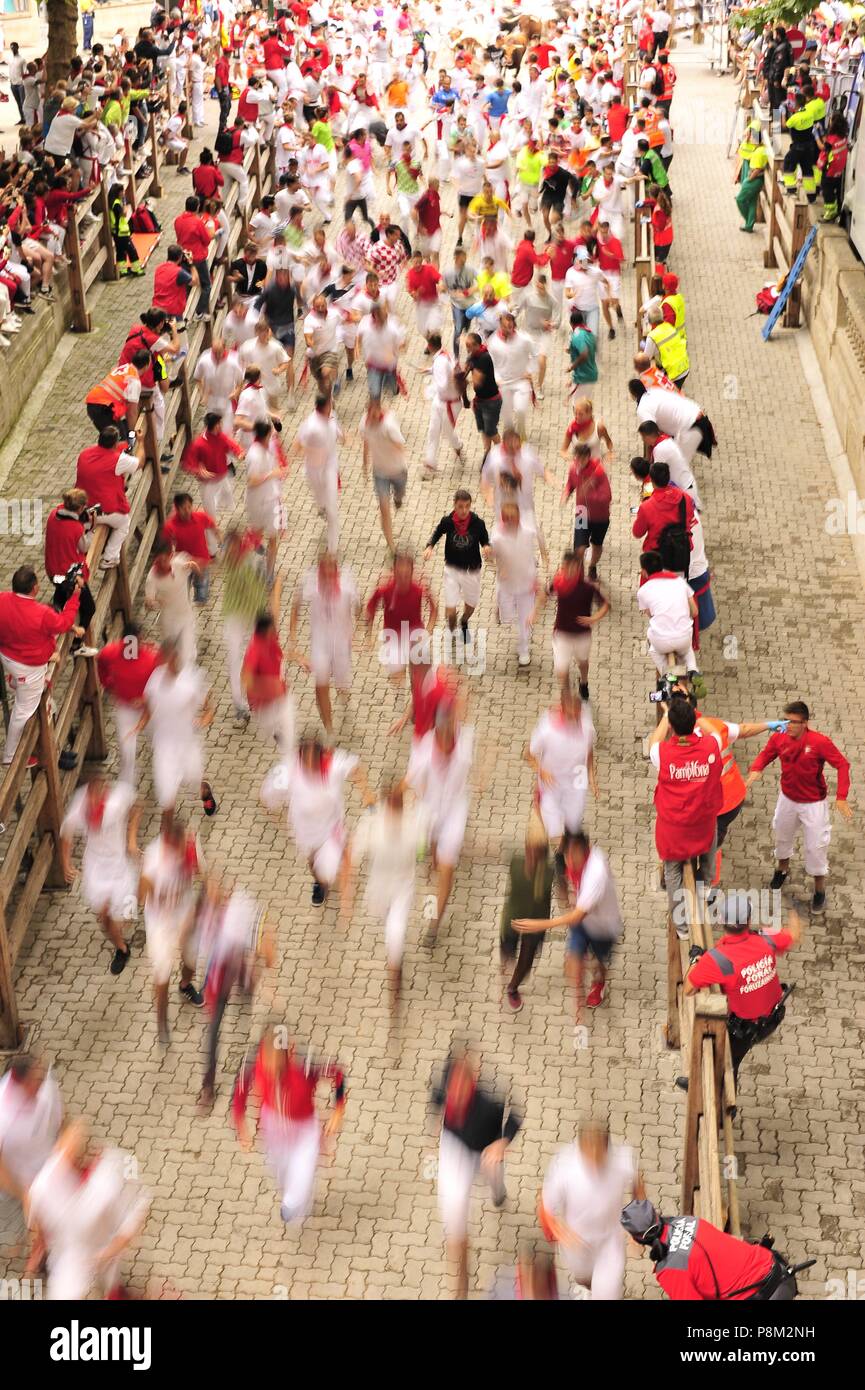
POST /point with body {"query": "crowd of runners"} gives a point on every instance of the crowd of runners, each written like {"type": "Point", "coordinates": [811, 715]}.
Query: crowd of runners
{"type": "Point", "coordinates": [394, 127]}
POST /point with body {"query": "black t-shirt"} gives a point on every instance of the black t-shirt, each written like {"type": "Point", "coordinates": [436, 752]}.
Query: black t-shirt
{"type": "Point", "coordinates": [250, 275]}
{"type": "Point", "coordinates": [482, 362]}
{"type": "Point", "coordinates": [555, 185]}
{"type": "Point", "coordinates": [461, 552]}
{"type": "Point", "coordinates": [277, 301]}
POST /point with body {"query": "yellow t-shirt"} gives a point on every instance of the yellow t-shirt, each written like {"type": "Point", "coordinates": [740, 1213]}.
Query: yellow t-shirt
{"type": "Point", "coordinates": [486, 207]}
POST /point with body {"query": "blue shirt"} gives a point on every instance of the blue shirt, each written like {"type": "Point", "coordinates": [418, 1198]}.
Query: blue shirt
{"type": "Point", "coordinates": [444, 99]}
{"type": "Point", "coordinates": [497, 101]}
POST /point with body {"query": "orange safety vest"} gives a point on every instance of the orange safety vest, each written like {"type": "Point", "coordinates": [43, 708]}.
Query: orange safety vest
{"type": "Point", "coordinates": [112, 389]}
{"type": "Point", "coordinates": [733, 789]}
{"type": "Point", "coordinates": [654, 136]}
{"type": "Point", "coordinates": [656, 377]}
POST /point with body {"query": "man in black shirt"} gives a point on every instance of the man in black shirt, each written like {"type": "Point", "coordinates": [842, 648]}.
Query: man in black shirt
{"type": "Point", "coordinates": [277, 303]}
{"type": "Point", "coordinates": [247, 272]}
{"type": "Point", "coordinates": [465, 538]}
{"type": "Point", "coordinates": [477, 1128]}
{"type": "Point", "coordinates": [554, 188]}
{"type": "Point", "coordinates": [487, 400]}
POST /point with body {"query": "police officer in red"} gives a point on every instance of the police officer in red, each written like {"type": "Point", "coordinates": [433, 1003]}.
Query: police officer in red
{"type": "Point", "coordinates": [694, 1260]}
{"type": "Point", "coordinates": [744, 964]}
{"type": "Point", "coordinates": [688, 797]}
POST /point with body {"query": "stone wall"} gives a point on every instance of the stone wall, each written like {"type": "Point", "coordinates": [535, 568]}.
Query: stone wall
{"type": "Point", "coordinates": [31, 350]}
{"type": "Point", "coordinates": [835, 313]}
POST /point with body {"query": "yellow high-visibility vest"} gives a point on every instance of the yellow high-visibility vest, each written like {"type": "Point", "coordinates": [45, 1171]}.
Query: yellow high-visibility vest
{"type": "Point", "coordinates": [672, 348]}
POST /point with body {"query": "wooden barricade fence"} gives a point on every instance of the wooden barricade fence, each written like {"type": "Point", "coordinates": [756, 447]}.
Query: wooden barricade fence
{"type": "Point", "coordinates": [697, 1024]}
{"type": "Point", "coordinates": [71, 713]}
{"type": "Point", "coordinates": [644, 247]}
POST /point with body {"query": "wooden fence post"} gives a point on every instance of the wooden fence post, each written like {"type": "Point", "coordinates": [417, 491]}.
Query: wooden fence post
{"type": "Point", "coordinates": [674, 980]}
{"type": "Point", "coordinates": [109, 270]}
{"type": "Point", "coordinates": [10, 1028]}
{"type": "Point", "coordinates": [770, 260]}
{"type": "Point", "coordinates": [51, 815]}
{"type": "Point", "coordinates": [155, 156]}
{"type": "Point", "coordinates": [156, 493]}
{"type": "Point", "coordinates": [81, 322]}
{"type": "Point", "coordinates": [801, 223]}
{"type": "Point", "coordinates": [187, 132]}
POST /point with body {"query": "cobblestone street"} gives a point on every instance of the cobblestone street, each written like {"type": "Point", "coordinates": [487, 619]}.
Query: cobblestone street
{"type": "Point", "coordinates": [790, 625]}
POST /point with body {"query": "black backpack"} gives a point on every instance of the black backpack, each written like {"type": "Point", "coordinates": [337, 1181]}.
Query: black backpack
{"type": "Point", "coordinates": [658, 83]}
{"type": "Point", "coordinates": [224, 143]}
{"type": "Point", "coordinates": [674, 543]}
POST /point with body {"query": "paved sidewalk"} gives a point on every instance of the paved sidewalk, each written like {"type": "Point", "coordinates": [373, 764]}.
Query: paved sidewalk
{"type": "Point", "coordinates": [791, 614]}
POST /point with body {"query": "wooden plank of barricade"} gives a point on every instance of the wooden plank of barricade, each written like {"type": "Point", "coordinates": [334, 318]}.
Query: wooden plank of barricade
{"type": "Point", "coordinates": [155, 493]}
{"type": "Point", "coordinates": [770, 259]}
{"type": "Point", "coordinates": [81, 322]}
{"type": "Point", "coordinates": [674, 982]}
{"type": "Point", "coordinates": [733, 1223]}
{"type": "Point", "coordinates": [20, 839]}
{"type": "Point", "coordinates": [109, 269]}
{"type": "Point", "coordinates": [186, 131]}
{"type": "Point", "coordinates": [710, 1180]}
{"type": "Point", "coordinates": [10, 1028]}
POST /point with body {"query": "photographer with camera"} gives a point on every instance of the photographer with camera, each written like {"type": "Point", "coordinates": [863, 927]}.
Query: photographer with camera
{"type": "Point", "coordinates": [101, 474]}
{"type": "Point", "coordinates": [687, 755]}
{"type": "Point", "coordinates": [744, 964]}
{"type": "Point", "coordinates": [695, 1260]}
{"type": "Point", "coordinates": [68, 533]}
{"type": "Point", "coordinates": [27, 632]}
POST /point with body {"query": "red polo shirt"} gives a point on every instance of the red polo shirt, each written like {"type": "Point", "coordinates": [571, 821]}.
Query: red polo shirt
{"type": "Point", "coordinates": [191, 233]}
{"type": "Point", "coordinates": [688, 796]}
{"type": "Point", "coordinates": [191, 536]}
{"type": "Point", "coordinates": [802, 761]}
{"type": "Point", "coordinates": [62, 534]}
{"type": "Point", "coordinates": [525, 260]}
{"type": "Point", "coordinates": [398, 605]}
{"type": "Point", "coordinates": [209, 452]}
{"type": "Point", "coordinates": [561, 256]}
{"type": "Point", "coordinates": [263, 665]}
{"type": "Point", "coordinates": [423, 281]}
{"type": "Point", "coordinates": [125, 667]}
{"type": "Point", "coordinates": [28, 627]}
{"type": "Point", "coordinates": [97, 477]}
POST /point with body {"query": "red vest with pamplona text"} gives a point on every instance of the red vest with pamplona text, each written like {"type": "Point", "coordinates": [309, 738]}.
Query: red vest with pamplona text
{"type": "Point", "coordinates": [688, 796]}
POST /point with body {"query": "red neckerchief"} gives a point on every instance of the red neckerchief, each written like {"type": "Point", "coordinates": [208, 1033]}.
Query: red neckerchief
{"type": "Point", "coordinates": [96, 813]}
{"type": "Point", "coordinates": [461, 523]}
{"type": "Point", "coordinates": [574, 876]}
{"type": "Point", "coordinates": [564, 586]}
{"type": "Point", "coordinates": [455, 1114]}
{"type": "Point", "coordinates": [329, 587]}
{"type": "Point", "coordinates": [190, 856]}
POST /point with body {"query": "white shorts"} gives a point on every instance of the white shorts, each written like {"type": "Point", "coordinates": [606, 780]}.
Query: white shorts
{"type": "Point", "coordinates": [462, 585]}
{"type": "Point", "coordinates": [569, 647]}
{"type": "Point", "coordinates": [328, 857]}
{"type": "Point", "coordinates": [162, 933]}
{"type": "Point", "coordinates": [457, 1170]}
{"type": "Point", "coordinates": [812, 817]}
{"type": "Point", "coordinates": [614, 285]}
{"type": "Point", "coordinates": [562, 810]}
{"type": "Point", "coordinates": [331, 664]}
{"type": "Point", "coordinates": [268, 518]}
{"type": "Point", "coordinates": [175, 766]}
{"type": "Point", "coordinates": [599, 1267]}
{"type": "Point", "coordinates": [542, 342]}
{"type": "Point", "coordinates": [429, 245]}
{"type": "Point", "coordinates": [115, 895]}
{"type": "Point", "coordinates": [394, 906]}
{"type": "Point", "coordinates": [447, 832]}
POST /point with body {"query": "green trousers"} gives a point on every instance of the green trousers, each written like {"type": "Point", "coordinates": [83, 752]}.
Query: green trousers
{"type": "Point", "coordinates": [746, 201]}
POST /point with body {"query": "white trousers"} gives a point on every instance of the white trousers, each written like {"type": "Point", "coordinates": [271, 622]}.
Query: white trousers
{"type": "Point", "coordinates": [689, 441]}
{"type": "Point", "coordinates": [180, 628]}
{"type": "Point", "coordinates": [515, 611]}
{"type": "Point", "coordinates": [25, 684]}
{"type": "Point", "coordinates": [275, 722]}
{"type": "Point", "coordinates": [280, 81]}
{"type": "Point", "coordinates": [458, 1168]}
{"type": "Point", "coordinates": [516, 403]}
{"type": "Point", "coordinates": [197, 95]}
{"type": "Point", "coordinates": [235, 173]}
{"type": "Point", "coordinates": [322, 483]}
{"type": "Point", "coordinates": [292, 1148]}
{"type": "Point", "coordinates": [236, 633]}
{"type": "Point", "coordinates": [813, 818]}
{"type": "Point", "coordinates": [428, 315]}
{"type": "Point", "coordinates": [442, 421]}
{"type": "Point", "coordinates": [118, 522]}
{"type": "Point", "coordinates": [684, 654]}
{"type": "Point", "coordinates": [562, 809]}
{"type": "Point", "coordinates": [599, 1267]}
{"type": "Point", "coordinates": [217, 496]}
{"type": "Point", "coordinates": [125, 719]}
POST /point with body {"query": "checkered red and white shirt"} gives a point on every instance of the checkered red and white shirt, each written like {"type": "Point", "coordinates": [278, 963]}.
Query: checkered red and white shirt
{"type": "Point", "coordinates": [387, 260]}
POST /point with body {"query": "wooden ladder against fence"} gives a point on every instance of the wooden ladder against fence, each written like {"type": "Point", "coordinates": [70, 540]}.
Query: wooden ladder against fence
{"type": "Point", "coordinates": [698, 1024]}
{"type": "Point", "coordinates": [33, 801]}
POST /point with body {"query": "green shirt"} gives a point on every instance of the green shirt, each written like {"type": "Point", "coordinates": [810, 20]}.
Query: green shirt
{"type": "Point", "coordinates": [583, 341]}
{"type": "Point", "coordinates": [244, 590]}
{"type": "Point", "coordinates": [529, 166]}
{"type": "Point", "coordinates": [523, 900]}
{"type": "Point", "coordinates": [322, 134]}
{"type": "Point", "coordinates": [405, 179]}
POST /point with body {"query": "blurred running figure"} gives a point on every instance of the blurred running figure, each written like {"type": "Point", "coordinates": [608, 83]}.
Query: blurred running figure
{"type": "Point", "coordinates": [438, 772]}
{"type": "Point", "coordinates": [166, 890]}
{"type": "Point", "coordinates": [290, 1129]}
{"type": "Point", "coordinates": [31, 1113]}
{"type": "Point", "coordinates": [561, 753]}
{"type": "Point", "coordinates": [177, 706]}
{"type": "Point", "coordinates": [477, 1129]}
{"type": "Point", "coordinates": [330, 595]}
{"type": "Point", "coordinates": [580, 1208]}
{"type": "Point", "coordinates": [107, 817]}
{"type": "Point", "coordinates": [235, 939]}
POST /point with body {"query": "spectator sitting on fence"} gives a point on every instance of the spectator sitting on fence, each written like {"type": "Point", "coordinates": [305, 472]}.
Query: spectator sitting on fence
{"type": "Point", "coordinates": [27, 640]}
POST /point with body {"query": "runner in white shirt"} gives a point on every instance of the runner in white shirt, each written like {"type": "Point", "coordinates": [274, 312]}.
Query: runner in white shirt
{"type": "Point", "coordinates": [166, 890]}
{"type": "Point", "coordinates": [384, 449]}
{"type": "Point", "coordinates": [673, 413]}
{"type": "Point", "coordinates": [219, 374]}
{"type": "Point", "coordinates": [329, 594]}
{"type": "Point", "coordinates": [312, 786]}
{"type": "Point", "coordinates": [667, 451]}
{"type": "Point", "coordinates": [672, 608]}
{"type": "Point", "coordinates": [266, 472]}
{"type": "Point", "coordinates": [31, 1113]}
{"type": "Point", "coordinates": [390, 838]}
{"type": "Point", "coordinates": [581, 1204]}
{"type": "Point", "coordinates": [438, 772]}
{"type": "Point", "coordinates": [513, 355]}
{"type": "Point", "coordinates": [561, 752]}
{"type": "Point", "coordinates": [318, 437]}
{"type": "Point", "coordinates": [497, 164]}
{"type": "Point", "coordinates": [177, 708]}
{"type": "Point", "coordinates": [584, 284]}
{"type": "Point", "coordinates": [515, 547]}
{"type": "Point", "coordinates": [107, 819]}
{"type": "Point", "coordinates": [238, 326]}
{"type": "Point", "coordinates": [84, 1209]}
{"type": "Point", "coordinates": [267, 353]}
{"type": "Point", "coordinates": [513, 459]}
{"type": "Point", "coordinates": [445, 406]}
{"type": "Point", "coordinates": [166, 592]}
{"type": "Point", "coordinates": [381, 338]}
{"type": "Point", "coordinates": [321, 331]}
{"type": "Point", "coordinates": [251, 408]}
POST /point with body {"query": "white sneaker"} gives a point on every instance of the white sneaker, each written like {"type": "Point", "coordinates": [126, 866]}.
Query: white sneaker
{"type": "Point", "coordinates": [524, 660]}
{"type": "Point", "coordinates": [539, 395]}
{"type": "Point", "coordinates": [4, 342]}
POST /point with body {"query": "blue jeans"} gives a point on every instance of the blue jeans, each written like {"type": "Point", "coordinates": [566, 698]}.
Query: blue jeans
{"type": "Point", "coordinates": [87, 27]}
{"type": "Point", "coordinates": [460, 322]}
{"type": "Point", "coordinates": [377, 380]}
{"type": "Point", "coordinates": [201, 586]}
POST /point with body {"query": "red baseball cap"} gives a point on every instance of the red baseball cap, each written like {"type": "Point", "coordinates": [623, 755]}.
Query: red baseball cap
{"type": "Point", "coordinates": [670, 283]}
